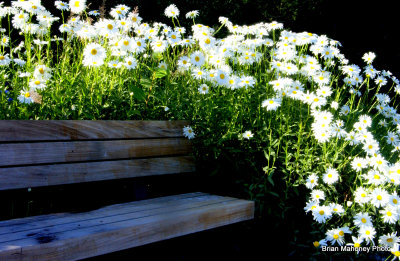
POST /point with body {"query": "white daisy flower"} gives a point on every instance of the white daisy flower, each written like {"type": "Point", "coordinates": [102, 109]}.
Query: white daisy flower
{"type": "Point", "coordinates": [367, 233]}
{"type": "Point", "coordinates": [247, 135]}
{"type": "Point", "coordinates": [389, 215]}
{"type": "Point", "coordinates": [331, 176]}
{"type": "Point", "coordinates": [203, 89]}
{"type": "Point", "coordinates": [171, 11]}
{"type": "Point", "coordinates": [272, 104]}
{"type": "Point", "coordinates": [77, 6]}
{"type": "Point", "coordinates": [379, 197]}
{"type": "Point", "coordinates": [322, 213]}
{"type": "Point", "coordinates": [188, 132]}
{"type": "Point", "coordinates": [362, 219]}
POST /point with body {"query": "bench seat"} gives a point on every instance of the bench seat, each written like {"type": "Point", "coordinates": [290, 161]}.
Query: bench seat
{"type": "Point", "coordinates": [72, 236]}
{"type": "Point", "coordinates": [51, 155]}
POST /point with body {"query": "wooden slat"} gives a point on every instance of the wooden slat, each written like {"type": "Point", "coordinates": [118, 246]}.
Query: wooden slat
{"type": "Point", "coordinates": [114, 232]}
{"type": "Point", "coordinates": [46, 175]}
{"type": "Point", "coordinates": [132, 210]}
{"type": "Point", "coordinates": [44, 130]}
{"type": "Point", "coordinates": [18, 224]}
{"type": "Point", "coordinates": [81, 151]}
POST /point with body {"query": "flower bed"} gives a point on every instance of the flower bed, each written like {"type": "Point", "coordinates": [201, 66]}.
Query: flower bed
{"type": "Point", "coordinates": [298, 116]}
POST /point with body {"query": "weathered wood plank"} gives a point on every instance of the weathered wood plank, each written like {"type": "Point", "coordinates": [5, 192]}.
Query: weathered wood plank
{"type": "Point", "coordinates": [21, 224]}
{"type": "Point", "coordinates": [114, 236]}
{"type": "Point", "coordinates": [80, 151]}
{"type": "Point", "coordinates": [44, 130]}
{"type": "Point", "coordinates": [46, 175]}
{"type": "Point", "coordinates": [83, 221]}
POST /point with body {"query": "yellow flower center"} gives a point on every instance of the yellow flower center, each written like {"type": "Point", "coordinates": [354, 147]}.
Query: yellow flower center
{"type": "Point", "coordinates": [129, 62]}
{"type": "Point", "coordinates": [376, 176]}
{"type": "Point", "coordinates": [173, 36]}
{"type": "Point", "coordinates": [390, 240]}
{"type": "Point", "coordinates": [389, 214]}
{"type": "Point", "coordinates": [134, 19]}
{"type": "Point", "coordinates": [126, 43]}
{"type": "Point", "coordinates": [37, 82]}
{"type": "Point", "coordinates": [397, 253]}
{"type": "Point", "coordinates": [321, 212]}
{"type": "Point", "coordinates": [93, 51]}
{"type": "Point", "coordinates": [272, 102]}
{"type": "Point", "coordinates": [364, 220]}
{"type": "Point", "coordinates": [312, 181]}
{"type": "Point", "coordinates": [197, 58]}
{"type": "Point", "coordinates": [335, 236]}
{"type": "Point", "coordinates": [394, 201]}
{"type": "Point", "coordinates": [1, 57]}
{"type": "Point", "coordinates": [329, 175]}
{"type": "Point", "coordinates": [110, 26]}
{"type": "Point", "coordinates": [356, 245]}
{"type": "Point", "coordinates": [27, 95]}
{"type": "Point", "coordinates": [222, 76]}
{"type": "Point", "coordinates": [379, 197]}
{"type": "Point", "coordinates": [367, 232]}
{"type": "Point", "coordinates": [76, 4]}
{"type": "Point", "coordinates": [41, 70]}
{"type": "Point", "coordinates": [335, 209]}
{"type": "Point", "coordinates": [363, 195]}
{"type": "Point", "coordinates": [207, 41]}
{"type": "Point", "coordinates": [316, 244]}
{"type": "Point", "coordinates": [341, 233]}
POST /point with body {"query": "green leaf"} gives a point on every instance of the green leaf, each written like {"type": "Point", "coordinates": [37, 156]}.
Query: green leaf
{"type": "Point", "coordinates": [270, 180]}
{"type": "Point", "coordinates": [145, 82]}
{"type": "Point", "coordinates": [160, 73]}
{"type": "Point", "coordinates": [138, 93]}
{"type": "Point", "coordinates": [273, 194]}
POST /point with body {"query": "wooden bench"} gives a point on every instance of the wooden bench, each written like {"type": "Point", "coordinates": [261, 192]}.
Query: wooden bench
{"type": "Point", "coordinates": [47, 153]}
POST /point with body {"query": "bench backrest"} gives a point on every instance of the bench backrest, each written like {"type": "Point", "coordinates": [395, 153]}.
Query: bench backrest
{"type": "Point", "coordinates": [43, 153]}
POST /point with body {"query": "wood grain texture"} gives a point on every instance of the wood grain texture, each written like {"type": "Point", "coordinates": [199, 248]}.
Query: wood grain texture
{"type": "Point", "coordinates": [17, 224]}
{"type": "Point", "coordinates": [12, 154]}
{"type": "Point", "coordinates": [127, 211]}
{"type": "Point", "coordinates": [46, 175]}
{"type": "Point", "coordinates": [69, 241]}
{"type": "Point", "coordinates": [45, 130]}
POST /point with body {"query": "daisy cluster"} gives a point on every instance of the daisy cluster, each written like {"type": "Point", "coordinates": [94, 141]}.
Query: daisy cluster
{"type": "Point", "coordinates": [304, 69]}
